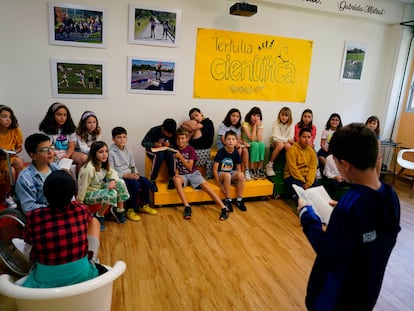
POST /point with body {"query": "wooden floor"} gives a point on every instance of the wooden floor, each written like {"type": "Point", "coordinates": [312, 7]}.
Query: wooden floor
{"type": "Point", "coordinates": [258, 260]}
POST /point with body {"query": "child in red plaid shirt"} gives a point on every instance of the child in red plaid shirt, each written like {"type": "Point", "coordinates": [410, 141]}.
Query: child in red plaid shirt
{"type": "Point", "coordinates": [60, 235]}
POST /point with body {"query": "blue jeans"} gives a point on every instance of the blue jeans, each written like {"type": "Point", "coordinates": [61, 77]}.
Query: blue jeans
{"type": "Point", "coordinates": [139, 191]}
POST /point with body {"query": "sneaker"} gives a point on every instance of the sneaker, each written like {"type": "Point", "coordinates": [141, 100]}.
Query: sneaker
{"type": "Point", "coordinates": [253, 174]}
{"type": "Point", "coordinates": [101, 220]}
{"type": "Point", "coordinates": [228, 205]}
{"type": "Point", "coordinates": [147, 209]}
{"type": "Point", "coordinates": [119, 216]}
{"type": "Point", "coordinates": [260, 174]}
{"type": "Point", "coordinates": [131, 215]}
{"type": "Point", "coordinates": [187, 212]}
{"type": "Point", "coordinates": [170, 184]}
{"type": "Point", "coordinates": [241, 206]}
{"type": "Point", "coordinates": [224, 214]}
{"type": "Point", "coordinates": [154, 187]}
{"type": "Point", "coordinates": [10, 202]}
{"type": "Point", "coordinates": [269, 170]}
{"type": "Point", "coordinates": [247, 176]}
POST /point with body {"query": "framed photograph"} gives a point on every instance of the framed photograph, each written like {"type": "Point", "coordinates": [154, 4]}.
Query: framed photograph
{"type": "Point", "coordinates": [78, 79]}
{"type": "Point", "coordinates": [353, 62]}
{"type": "Point", "coordinates": [77, 25]}
{"type": "Point", "coordinates": [154, 27]}
{"type": "Point", "coordinates": [151, 76]}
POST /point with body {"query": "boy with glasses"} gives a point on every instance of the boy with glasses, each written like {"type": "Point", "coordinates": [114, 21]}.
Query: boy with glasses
{"type": "Point", "coordinates": [29, 184]}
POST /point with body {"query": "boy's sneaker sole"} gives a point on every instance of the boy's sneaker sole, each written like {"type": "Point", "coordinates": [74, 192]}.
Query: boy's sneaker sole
{"type": "Point", "coordinates": [241, 206]}
{"type": "Point", "coordinates": [119, 217]}
{"type": "Point", "coordinates": [187, 212]}
{"type": "Point", "coordinates": [148, 210]}
{"type": "Point", "coordinates": [131, 215]}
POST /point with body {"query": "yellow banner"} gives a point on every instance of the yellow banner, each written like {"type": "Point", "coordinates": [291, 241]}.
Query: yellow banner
{"type": "Point", "coordinates": [235, 65]}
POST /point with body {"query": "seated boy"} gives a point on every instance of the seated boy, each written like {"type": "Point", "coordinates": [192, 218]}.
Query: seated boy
{"type": "Point", "coordinates": [201, 136]}
{"type": "Point", "coordinates": [122, 161]}
{"type": "Point", "coordinates": [352, 254]}
{"type": "Point", "coordinates": [227, 168]}
{"type": "Point", "coordinates": [29, 184]}
{"type": "Point", "coordinates": [161, 136]}
{"type": "Point", "coordinates": [62, 235]}
{"type": "Point", "coordinates": [187, 174]}
{"type": "Point", "coordinates": [301, 162]}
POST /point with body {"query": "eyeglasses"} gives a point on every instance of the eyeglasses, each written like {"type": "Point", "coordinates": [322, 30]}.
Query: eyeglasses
{"type": "Point", "coordinates": [47, 149]}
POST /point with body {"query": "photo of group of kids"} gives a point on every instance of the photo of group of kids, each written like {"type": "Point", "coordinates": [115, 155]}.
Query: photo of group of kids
{"type": "Point", "coordinates": [105, 175]}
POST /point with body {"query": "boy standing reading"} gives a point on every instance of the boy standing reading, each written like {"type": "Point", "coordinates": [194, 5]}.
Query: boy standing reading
{"type": "Point", "coordinates": [227, 168]}
{"type": "Point", "coordinates": [122, 161]}
{"type": "Point", "coordinates": [187, 174]}
{"type": "Point", "coordinates": [354, 250]}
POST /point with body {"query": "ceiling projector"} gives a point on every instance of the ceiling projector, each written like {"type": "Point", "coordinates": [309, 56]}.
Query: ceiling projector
{"type": "Point", "coordinates": [243, 9]}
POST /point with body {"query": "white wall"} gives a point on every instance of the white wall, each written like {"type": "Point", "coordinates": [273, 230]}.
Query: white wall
{"type": "Point", "coordinates": [25, 82]}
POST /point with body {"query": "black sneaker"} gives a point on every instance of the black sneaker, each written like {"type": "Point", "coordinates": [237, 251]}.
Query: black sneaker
{"type": "Point", "coordinates": [241, 206]}
{"type": "Point", "coordinates": [101, 220]}
{"type": "Point", "coordinates": [187, 212]}
{"type": "Point", "coordinates": [119, 216]}
{"type": "Point", "coordinates": [224, 214]}
{"type": "Point", "coordinates": [228, 205]}
{"type": "Point", "coordinates": [260, 174]}
{"type": "Point", "coordinates": [170, 184]}
{"type": "Point", "coordinates": [9, 201]}
{"type": "Point", "coordinates": [154, 187]}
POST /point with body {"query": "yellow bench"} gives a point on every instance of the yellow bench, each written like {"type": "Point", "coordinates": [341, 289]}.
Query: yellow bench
{"type": "Point", "coordinates": [164, 196]}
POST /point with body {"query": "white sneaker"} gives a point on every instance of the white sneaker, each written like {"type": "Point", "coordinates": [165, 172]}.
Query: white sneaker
{"type": "Point", "coordinates": [10, 202]}
{"type": "Point", "coordinates": [269, 170]}
{"type": "Point", "coordinates": [247, 176]}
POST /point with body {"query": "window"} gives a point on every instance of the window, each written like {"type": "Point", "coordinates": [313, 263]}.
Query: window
{"type": "Point", "coordinates": [410, 101]}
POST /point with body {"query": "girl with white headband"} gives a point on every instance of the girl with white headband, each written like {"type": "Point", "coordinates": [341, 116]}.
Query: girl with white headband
{"type": "Point", "coordinates": [58, 125]}
{"type": "Point", "coordinates": [87, 132]}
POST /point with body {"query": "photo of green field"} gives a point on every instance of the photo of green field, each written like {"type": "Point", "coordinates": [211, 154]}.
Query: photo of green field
{"type": "Point", "coordinates": [353, 63]}
{"type": "Point", "coordinates": [80, 79]}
